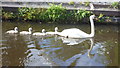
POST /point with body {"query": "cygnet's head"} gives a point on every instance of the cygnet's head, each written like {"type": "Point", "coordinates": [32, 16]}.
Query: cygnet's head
{"type": "Point", "coordinates": [92, 16]}
{"type": "Point", "coordinates": [56, 29]}
{"type": "Point", "coordinates": [30, 29]}
{"type": "Point", "coordinates": [16, 28]}
{"type": "Point", "coordinates": [43, 30]}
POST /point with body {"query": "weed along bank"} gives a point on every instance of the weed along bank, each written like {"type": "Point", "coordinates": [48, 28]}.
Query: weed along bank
{"type": "Point", "coordinates": [70, 12]}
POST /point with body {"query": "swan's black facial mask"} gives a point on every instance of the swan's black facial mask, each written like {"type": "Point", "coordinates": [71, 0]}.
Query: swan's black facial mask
{"type": "Point", "coordinates": [17, 29]}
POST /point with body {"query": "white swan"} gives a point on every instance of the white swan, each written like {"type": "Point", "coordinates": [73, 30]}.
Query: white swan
{"type": "Point", "coordinates": [27, 32]}
{"type": "Point", "coordinates": [53, 33]}
{"type": "Point", "coordinates": [76, 33]}
{"type": "Point", "coordinates": [40, 34]}
{"type": "Point", "coordinates": [13, 31]}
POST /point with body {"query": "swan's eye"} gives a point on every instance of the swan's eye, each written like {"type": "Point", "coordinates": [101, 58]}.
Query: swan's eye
{"type": "Point", "coordinates": [66, 36]}
{"type": "Point", "coordinates": [17, 29]}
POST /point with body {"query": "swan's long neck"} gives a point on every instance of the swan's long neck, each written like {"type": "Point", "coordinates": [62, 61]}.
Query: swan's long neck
{"type": "Point", "coordinates": [92, 42]}
{"type": "Point", "coordinates": [92, 27]}
{"type": "Point", "coordinates": [56, 31]}
{"type": "Point", "coordinates": [43, 31]}
{"type": "Point", "coordinates": [91, 47]}
{"type": "Point", "coordinates": [16, 29]}
{"type": "Point", "coordinates": [30, 31]}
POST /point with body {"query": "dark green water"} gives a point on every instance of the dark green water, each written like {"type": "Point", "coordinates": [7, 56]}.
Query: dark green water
{"type": "Point", "coordinates": [28, 50]}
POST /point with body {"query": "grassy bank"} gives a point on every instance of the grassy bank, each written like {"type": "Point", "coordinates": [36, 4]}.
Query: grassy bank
{"type": "Point", "coordinates": [54, 14]}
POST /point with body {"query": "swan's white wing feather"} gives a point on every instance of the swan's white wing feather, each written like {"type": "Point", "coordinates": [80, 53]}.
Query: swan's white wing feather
{"type": "Point", "coordinates": [38, 33]}
{"type": "Point", "coordinates": [12, 31]}
{"type": "Point", "coordinates": [50, 32]}
{"type": "Point", "coordinates": [25, 32]}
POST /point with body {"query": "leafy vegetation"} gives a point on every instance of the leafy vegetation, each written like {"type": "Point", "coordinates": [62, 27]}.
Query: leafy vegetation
{"type": "Point", "coordinates": [81, 3]}
{"type": "Point", "coordinates": [82, 14]}
{"type": "Point", "coordinates": [101, 15]}
{"type": "Point", "coordinates": [115, 5]}
{"type": "Point", "coordinates": [102, 18]}
{"type": "Point", "coordinates": [87, 3]}
{"type": "Point", "coordinates": [8, 15]}
{"type": "Point", "coordinates": [54, 14]}
{"type": "Point", "coordinates": [71, 3]}
{"type": "Point", "coordinates": [27, 13]}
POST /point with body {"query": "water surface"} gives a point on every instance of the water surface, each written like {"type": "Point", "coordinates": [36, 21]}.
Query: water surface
{"type": "Point", "coordinates": [28, 50]}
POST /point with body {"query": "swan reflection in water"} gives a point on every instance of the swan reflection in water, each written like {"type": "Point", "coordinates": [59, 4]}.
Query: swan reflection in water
{"type": "Point", "coordinates": [74, 58]}
{"type": "Point", "coordinates": [71, 41]}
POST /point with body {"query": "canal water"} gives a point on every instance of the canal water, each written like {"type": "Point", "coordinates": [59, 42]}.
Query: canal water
{"type": "Point", "coordinates": [28, 50]}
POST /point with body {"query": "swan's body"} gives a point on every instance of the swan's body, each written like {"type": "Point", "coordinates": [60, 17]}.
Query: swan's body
{"type": "Point", "coordinates": [13, 31]}
{"type": "Point", "coordinates": [76, 33]}
{"type": "Point", "coordinates": [53, 33]}
{"type": "Point", "coordinates": [40, 34]}
{"type": "Point", "coordinates": [27, 32]}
